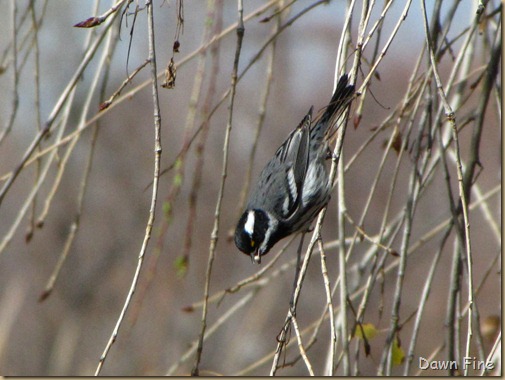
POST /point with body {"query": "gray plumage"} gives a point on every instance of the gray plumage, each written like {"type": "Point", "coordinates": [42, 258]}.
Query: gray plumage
{"type": "Point", "coordinates": [294, 185]}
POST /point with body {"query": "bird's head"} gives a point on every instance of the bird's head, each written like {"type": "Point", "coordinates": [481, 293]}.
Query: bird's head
{"type": "Point", "coordinates": [256, 232]}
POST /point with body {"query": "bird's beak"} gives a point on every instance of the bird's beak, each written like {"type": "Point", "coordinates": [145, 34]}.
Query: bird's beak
{"type": "Point", "coordinates": [256, 256]}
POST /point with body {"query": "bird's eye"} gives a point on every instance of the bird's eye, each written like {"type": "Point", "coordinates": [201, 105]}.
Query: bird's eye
{"type": "Point", "coordinates": [252, 243]}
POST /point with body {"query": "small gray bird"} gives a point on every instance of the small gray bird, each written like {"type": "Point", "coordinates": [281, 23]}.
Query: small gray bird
{"type": "Point", "coordinates": [294, 186]}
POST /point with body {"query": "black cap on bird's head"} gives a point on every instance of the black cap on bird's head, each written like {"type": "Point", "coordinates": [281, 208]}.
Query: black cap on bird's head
{"type": "Point", "coordinates": [255, 234]}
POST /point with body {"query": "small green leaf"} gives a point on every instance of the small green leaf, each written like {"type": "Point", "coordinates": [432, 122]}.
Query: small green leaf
{"type": "Point", "coordinates": [367, 329]}
{"type": "Point", "coordinates": [398, 355]}
{"type": "Point", "coordinates": [181, 265]}
{"type": "Point", "coordinates": [167, 209]}
{"type": "Point", "coordinates": [178, 164]}
{"type": "Point", "coordinates": [178, 180]}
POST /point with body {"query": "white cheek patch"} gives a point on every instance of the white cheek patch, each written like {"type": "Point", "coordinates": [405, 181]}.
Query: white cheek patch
{"type": "Point", "coordinates": [272, 226]}
{"type": "Point", "coordinates": [249, 224]}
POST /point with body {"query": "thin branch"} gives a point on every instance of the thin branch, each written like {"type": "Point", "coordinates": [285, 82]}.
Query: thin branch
{"type": "Point", "coordinates": [300, 345]}
{"type": "Point", "coordinates": [243, 301]}
{"type": "Point", "coordinates": [462, 192]}
{"type": "Point", "coordinates": [215, 13]}
{"type": "Point", "coordinates": [154, 197]}
{"type": "Point", "coordinates": [329, 304]}
{"type": "Point", "coordinates": [261, 118]}
{"type": "Point", "coordinates": [215, 229]}
{"type": "Point", "coordinates": [424, 298]}
{"type": "Point", "coordinates": [15, 76]}
{"type": "Point", "coordinates": [388, 269]}
{"type": "Point", "coordinates": [493, 357]}
{"type": "Point", "coordinates": [56, 109]}
{"type": "Point", "coordinates": [337, 170]}
{"type": "Point", "coordinates": [103, 66]}
{"type": "Point", "coordinates": [36, 49]}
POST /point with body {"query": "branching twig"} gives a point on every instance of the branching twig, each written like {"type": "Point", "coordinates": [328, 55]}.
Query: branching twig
{"type": "Point", "coordinates": [104, 63]}
{"type": "Point", "coordinates": [303, 353]}
{"type": "Point", "coordinates": [56, 110]}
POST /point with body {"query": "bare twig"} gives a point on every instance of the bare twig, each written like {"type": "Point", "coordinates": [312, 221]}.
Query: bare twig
{"type": "Point", "coordinates": [422, 303]}
{"type": "Point", "coordinates": [105, 64]}
{"type": "Point", "coordinates": [329, 303]}
{"type": "Point", "coordinates": [244, 300]}
{"type": "Point", "coordinates": [215, 229]}
{"type": "Point", "coordinates": [300, 345]}
{"type": "Point", "coordinates": [15, 75]}
{"type": "Point", "coordinates": [31, 225]}
{"type": "Point", "coordinates": [56, 110]}
{"type": "Point", "coordinates": [395, 185]}
{"type": "Point", "coordinates": [337, 170]}
{"type": "Point", "coordinates": [393, 265]}
{"type": "Point", "coordinates": [215, 13]}
{"type": "Point", "coordinates": [261, 117]}
{"type": "Point", "coordinates": [126, 96]}
{"type": "Point", "coordinates": [154, 197]}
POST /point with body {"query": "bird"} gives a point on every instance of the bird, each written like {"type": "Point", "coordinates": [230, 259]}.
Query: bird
{"type": "Point", "coordinates": [294, 185]}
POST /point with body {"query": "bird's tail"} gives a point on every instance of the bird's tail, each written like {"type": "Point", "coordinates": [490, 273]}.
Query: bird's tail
{"type": "Point", "coordinates": [341, 97]}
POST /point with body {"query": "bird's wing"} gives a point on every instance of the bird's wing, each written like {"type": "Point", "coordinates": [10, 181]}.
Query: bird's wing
{"type": "Point", "coordinates": [281, 181]}
{"type": "Point", "coordinates": [294, 156]}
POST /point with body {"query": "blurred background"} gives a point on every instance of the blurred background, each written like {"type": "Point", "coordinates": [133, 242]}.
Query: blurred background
{"type": "Point", "coordinates": [66, 333]}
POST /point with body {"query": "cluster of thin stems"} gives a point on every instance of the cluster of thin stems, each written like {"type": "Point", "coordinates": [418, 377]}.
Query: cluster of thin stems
{"type": "Point", "coordinates": [423, 133]}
